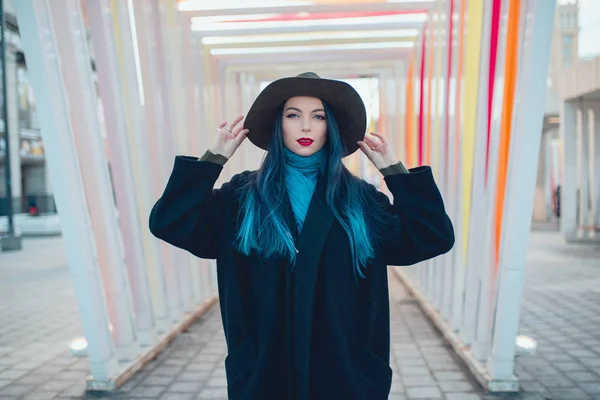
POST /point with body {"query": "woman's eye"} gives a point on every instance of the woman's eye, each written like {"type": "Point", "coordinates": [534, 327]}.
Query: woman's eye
{"type": "Point", "coordinates": [292, 115]}
{"type": "Point", "coordinates": [320, 117]}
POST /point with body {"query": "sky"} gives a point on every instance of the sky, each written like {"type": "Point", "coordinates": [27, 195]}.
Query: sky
{"type": "Point", "coordinates": [589, 34]}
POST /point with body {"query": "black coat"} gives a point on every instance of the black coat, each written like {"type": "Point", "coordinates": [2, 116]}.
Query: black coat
{"type": "Point", "coordinates": [308, 332]}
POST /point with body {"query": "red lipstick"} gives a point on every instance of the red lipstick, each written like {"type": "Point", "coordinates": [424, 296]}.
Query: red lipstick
{"type": "Point", "coordinates": [305, 141]}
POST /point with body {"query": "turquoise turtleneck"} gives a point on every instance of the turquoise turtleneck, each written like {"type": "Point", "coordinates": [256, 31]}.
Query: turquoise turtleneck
{"type": "Point", "coordinates": [301, 174]}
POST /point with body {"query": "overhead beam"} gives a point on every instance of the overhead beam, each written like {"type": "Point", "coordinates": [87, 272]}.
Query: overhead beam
{"type": "Point", "coordinates": [295, 29]}
{"type": "Point", "coordinates": [424, 5]}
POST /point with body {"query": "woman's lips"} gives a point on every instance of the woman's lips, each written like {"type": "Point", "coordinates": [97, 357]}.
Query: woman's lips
{"type": "Point", "coordinates": [305, 141]}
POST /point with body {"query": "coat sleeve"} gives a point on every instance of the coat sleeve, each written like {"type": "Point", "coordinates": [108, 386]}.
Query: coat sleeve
{"type": "Point", "coordinates": [422, 229]}
{"type": "Point", "coordinates": [188, 215]}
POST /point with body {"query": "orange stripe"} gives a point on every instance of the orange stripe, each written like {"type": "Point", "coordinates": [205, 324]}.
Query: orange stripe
{"type": "Point", "coordinates": [510, 76]}
{"type": "Point", "coordinates": [427, 160]}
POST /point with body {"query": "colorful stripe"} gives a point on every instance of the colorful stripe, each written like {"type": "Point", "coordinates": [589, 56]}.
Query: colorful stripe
{"type": "Point", "coordinates": [510, 76]}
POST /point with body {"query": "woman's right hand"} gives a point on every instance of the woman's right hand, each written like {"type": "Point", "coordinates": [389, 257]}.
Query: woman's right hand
{"type": "Point", "coordinates": [228, 139]}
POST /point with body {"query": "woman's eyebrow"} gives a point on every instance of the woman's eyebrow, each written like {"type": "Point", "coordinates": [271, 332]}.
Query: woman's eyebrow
{"type": "Point", "coordinates": [299, 110]}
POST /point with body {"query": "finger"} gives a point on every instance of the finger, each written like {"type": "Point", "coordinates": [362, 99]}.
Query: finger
{"type": "Point", "coordinates": [371, 143]}
{"type": "Point", "coordinates": [379, 135]}
{"type": "Point", "coordinates": [237, 121]}
{"type": "Point", "coordinates": [237, 130]}
{"type": "Point", "coordinates": [365, 148]}
{"type": "Point", "coordinates": [222, 124]}
{"type": "Point", "coordinates": [241, 136]}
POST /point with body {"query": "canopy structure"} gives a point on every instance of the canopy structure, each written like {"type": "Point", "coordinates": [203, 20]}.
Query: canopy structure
{"type": "Point", "coordinates": [454, 84]}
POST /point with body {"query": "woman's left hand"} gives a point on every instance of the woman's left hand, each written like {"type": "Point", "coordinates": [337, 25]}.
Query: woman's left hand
{"type": "Point", "coordinates": [378, 150]}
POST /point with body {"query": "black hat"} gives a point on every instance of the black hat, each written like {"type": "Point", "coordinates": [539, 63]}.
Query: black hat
{"type": "Point", "coordinates": [344, 101]}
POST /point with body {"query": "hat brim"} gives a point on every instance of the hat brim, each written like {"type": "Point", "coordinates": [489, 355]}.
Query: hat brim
{"type": "Point", "coordinates": [344, 101]}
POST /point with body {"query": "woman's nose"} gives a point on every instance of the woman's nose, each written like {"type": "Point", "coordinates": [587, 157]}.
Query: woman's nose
{"type": "Point", "coordinates": [306, 126]}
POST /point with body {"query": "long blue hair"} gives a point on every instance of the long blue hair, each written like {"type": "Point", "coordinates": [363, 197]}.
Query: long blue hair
{"type": "Point", "coordinates": [263, 228]}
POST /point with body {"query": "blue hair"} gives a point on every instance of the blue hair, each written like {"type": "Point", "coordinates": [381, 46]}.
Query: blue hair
{"type": "Point", "coordinates": [263, 228]}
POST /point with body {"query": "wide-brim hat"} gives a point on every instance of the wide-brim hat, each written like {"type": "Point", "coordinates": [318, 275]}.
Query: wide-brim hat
{"type": "Point", "coordinates": [345, 102]}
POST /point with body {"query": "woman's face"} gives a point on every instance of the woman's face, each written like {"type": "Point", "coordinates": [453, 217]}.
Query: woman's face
{"type": "Point", "coordinates": [304, 125]}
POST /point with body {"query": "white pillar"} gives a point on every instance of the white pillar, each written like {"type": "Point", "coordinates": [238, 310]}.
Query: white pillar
{"type": "Point", "coordinates": [161, 138]}
{"type": "Point", "coordinates": [594, 168]}
{"type": "Point", "coordinates": [582, 173]}
{"type": "Point", "coordinates": [72, 45]}
{"type": "Point", "coordinates": [591, 183]}
{"type": "Point", "coordinates": [12, 102]}
{"type": "Point", "coordinates": [568, 213]}
{"type": "Point", "coordinates": [114, 104]}
{"type": "Point", "coordinates": [522, 167]}
{"type": "Point", "coordinates": [54, 113]}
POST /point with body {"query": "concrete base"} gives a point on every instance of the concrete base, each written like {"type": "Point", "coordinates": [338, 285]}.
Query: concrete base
{"type": "Point", "coordinates": [11, 243]}
{"type": "Point", "coordinates": [477, 368]}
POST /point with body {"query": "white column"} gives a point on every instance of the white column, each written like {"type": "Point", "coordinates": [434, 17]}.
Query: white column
{"type": "Point", "coordinates": [591, 147]}
{"type": "Point", "coordinates": [473, 262]}
{"type": "Point", "coordinates": [568, 212]}
{"type": "Point", "coordinates": [12, 102]}
{"type": "Point", "coordinates": [62, 160]}
{"type": "Point", "coordinates": [149, 27]}
{"type": "Point", "coordinates": [114, 104]}
{"type": "Point", "coordinates": [596, 181]}
{"type": "Point", "coordinates": [522, 168]}
{"type": "Point", "coordinates": [194, 121]}
{"type": "Point", "coordinates": [582, 173]}
{"type": "Point", "coordinates": [72, 44]}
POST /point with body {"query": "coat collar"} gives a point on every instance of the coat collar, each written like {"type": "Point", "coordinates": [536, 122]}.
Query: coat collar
{"type": "Point", "coordinates": [310, 243]}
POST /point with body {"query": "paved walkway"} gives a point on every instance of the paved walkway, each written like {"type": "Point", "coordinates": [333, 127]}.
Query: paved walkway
{"type": "Point", "coordinates": [39, 317]}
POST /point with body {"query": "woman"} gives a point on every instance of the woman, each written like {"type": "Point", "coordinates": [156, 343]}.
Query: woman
{"type": "Point", "coordinates": [302, 245]}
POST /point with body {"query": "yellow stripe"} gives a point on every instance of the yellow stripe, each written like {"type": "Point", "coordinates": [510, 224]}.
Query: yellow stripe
{"type": "Point", "coordinates": [474, 24]}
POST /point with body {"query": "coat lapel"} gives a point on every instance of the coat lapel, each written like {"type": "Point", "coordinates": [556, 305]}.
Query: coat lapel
{"type": "Point", "coordinates": [315, 230]}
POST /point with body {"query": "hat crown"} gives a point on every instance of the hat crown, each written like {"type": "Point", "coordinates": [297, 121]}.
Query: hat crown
{"type": "Point", "coordinates": [308, 75]}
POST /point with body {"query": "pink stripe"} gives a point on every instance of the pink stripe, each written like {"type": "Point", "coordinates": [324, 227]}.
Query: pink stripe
{"type": "Point", "coordinates": [422, 95]}
{"type": "Point", "coordinates": [492, 76]}
{"type": "Point", "coordinates": [447, 105]}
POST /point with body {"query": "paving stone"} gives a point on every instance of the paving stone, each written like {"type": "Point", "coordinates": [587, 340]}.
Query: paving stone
{"type": "Point", "coordinates": [185, 387]}
{"type": "Point", "coordinates": [39, 395]}
{"type": "Point", "coordinates": [426, 392]}
{"type": "Point", "coordinates": [196, 366]}
{"type": "Point", "coordinates": [414, 371]}
{"type": "Point", "coordinates": [455, 386]}
{"type": "Point", "coordinates": [178, 396]}
{"type": "Point", "coordinates": [590, 387]}
{"type": "Point", "coordinates": [569, 394]}
{"type": "Point", "coordinates": [397, 396]}
{"type": "Point", "coordinates": [449, 375]}
{"type": "Point", "coordinates": [532, 386]}
{"type": "Point", "coordinates": [582, 376]}
{"type": "Point", "coordinates": [147, 391]}
{"type": "Point", "coordinates": [194, 376]}
{"type": "Point", "coordinates": [14, 390]}
{"type": "Point", "coordinates": [462, 396]}
{"type": "Point", "coordinates": [218, 381]}
{"type": "Point", "coordinates": [415, 381]}
{"type": "Point", "coordinates": [569, 366]}
{"type": "Point", "coordinates": [213, 394]}
{"type": "Point", "coordinates": [411, 362]}
{"type": "Point", "coordinates": [12, 374]}
{"type": "Point", "coordinates": [154, 379]}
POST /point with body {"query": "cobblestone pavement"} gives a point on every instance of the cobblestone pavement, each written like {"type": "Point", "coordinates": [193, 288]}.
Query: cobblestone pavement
{"type": "Point", "coordinates": [39, 317]}
{"type": "Point", "coordinates": [561, 311]}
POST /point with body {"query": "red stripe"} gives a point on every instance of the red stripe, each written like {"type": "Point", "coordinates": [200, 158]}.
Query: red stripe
{"type": "Point", "coordinates": [492, 77]}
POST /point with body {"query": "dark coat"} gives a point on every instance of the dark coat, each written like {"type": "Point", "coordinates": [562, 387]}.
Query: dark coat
{"type": "Point", "coordinates": [308, 332]}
